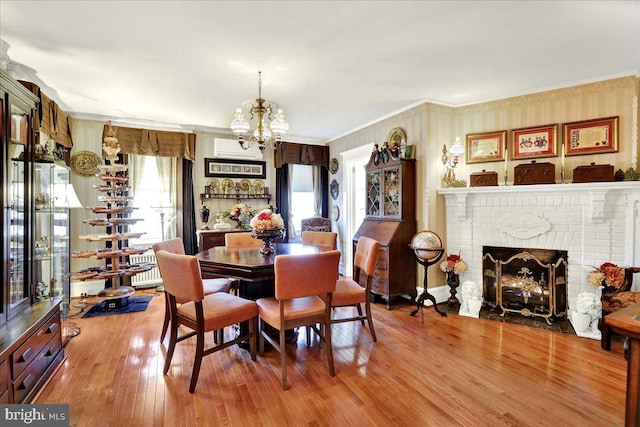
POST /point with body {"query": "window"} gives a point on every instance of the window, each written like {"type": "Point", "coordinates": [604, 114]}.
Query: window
{"type": "Point", "coordinates": [302, 198]}
{"type": "Point", "coordinates": [152, 181]}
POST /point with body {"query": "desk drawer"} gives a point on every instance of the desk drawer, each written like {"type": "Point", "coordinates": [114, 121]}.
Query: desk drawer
{"type": "Point", "coordinates": [32, 374]}
{"type": "Point", "coordinates": [34, 344]}
{"type": "Point", "coordinates": [4, 378]}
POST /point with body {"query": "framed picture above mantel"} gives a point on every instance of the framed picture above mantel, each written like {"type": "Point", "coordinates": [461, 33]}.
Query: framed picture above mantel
{"type": "Point", "coordinates": [228, 168]}
{"type": "Point", "coordinates": [486, 146]}
{"type": "Point", "coordinates": [591, 136]}
{"type": "Point", "coordinates": [534, 142]}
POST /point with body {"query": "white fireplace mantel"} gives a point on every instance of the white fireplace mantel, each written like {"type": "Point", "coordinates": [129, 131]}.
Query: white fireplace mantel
{"type": "Point", "coordinates": [593, 222]}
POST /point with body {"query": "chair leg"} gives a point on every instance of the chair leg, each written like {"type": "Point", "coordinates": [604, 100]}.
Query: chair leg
{"type": "Point", "coordinates": [327, 339]}
{"type": "Point", "coordinates": [173, 339]}
{"type": "Point", "coordinates": [283, 358]}
{"type": "Point", "coordinates": [370, 319]}
{"type": "Point", "coordinates": [260, 337]}
{"type": "Point", "coordinates": [308, 328]}
{"type": "Point", "coordinates": [198, 360]}
{"type": "Point", "coordinates": [218, 336]}
{"type": "Point", "coordinates": [359, 308]}
{"type": "Point", "coordinates": [167, 317]}
{"type": "Point", "coordinates": [253, 330]}
{"type": "Point", "coordinates": [605, 340]}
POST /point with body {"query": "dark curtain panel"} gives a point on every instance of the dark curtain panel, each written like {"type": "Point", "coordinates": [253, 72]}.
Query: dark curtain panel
{"type": "Point", "coordinates": [188, 209]}
{"type": "Point", "coordinates": [282, 191]}
{"type": "Point", "coordinates": [324, 179]}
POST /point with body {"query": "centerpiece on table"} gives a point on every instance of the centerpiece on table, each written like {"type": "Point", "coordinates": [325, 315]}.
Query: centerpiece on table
{"type": "Point", "coordinates": [267, 226]}
{"type": "Point", "coordinates": [453, 266]}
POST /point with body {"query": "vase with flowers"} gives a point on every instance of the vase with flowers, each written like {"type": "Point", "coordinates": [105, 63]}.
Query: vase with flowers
{"type": "Point", "coordinates": [267, 226]}
{"type": "Point", "coordinates": [608, 277]}
{"type": "Point", "coordinates": [241, 213]}
{"type": "Point", "coordinates": [453, 266]}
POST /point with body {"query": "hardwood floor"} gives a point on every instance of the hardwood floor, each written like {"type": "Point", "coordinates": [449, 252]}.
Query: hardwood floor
{"type": "Point", "coordinates": [424, 370]}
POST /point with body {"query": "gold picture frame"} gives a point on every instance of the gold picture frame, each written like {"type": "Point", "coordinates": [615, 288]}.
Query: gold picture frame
{"type": "Point", "coordinates": [534, 142]}
{"type": "Point", "coordinates": [594, 136]}
{"type": "Point", "coordinates": [486, 146]}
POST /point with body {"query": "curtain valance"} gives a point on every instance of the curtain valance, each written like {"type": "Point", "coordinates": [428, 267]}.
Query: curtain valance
{"type": "Point", "coordinates": [54, 122]}
{"type": "Point", "coordinates": [302, 154]}
{"type": "Point", "coordinates": [159, 143]}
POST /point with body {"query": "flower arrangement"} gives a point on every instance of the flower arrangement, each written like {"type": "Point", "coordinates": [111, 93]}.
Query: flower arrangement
{"type": "Point", "coordinates": [239, 209]}
{"type": "Point", "coordinates": [453, 264]}
{"type": "Point", "coordinates": [608, 275]}
{"type": "Point", "coordinates": [266, 220]}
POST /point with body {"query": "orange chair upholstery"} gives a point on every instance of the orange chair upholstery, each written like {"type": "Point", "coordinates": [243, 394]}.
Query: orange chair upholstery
{"type": "Point", "coordinates": [320, 238]}
{"type": "Point", "coordinates": [183, 282]}
{"type": "Point", "coordinates": [241, 239]}
{"type": "Point", "coordinates": [349, 292]}
{"type": "Point", "coordinates": [615, 300]}
{"type": "Point", "coordinates": [211, 286]}
{"type": "Point", "coordinates": [303, 288]}
{"type": "Point", "coordinates": [316, 223]}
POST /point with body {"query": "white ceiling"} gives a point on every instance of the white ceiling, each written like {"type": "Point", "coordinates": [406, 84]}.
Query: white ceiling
{"type": "Point", "coordinates": [333, 66]}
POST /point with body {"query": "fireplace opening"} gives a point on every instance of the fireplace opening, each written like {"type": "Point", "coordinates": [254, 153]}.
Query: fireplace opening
{"type": "Point", "coordinates": [527, 281]}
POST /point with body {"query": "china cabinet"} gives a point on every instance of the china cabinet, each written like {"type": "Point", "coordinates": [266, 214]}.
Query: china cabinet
{"type": "Point", "coordinates": [390, 219]}
{"type": "Point", "coordinates": [30, 323]}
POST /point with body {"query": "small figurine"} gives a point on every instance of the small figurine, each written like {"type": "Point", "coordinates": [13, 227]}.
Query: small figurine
{"type": "Point", "coordinates": [630, 175]}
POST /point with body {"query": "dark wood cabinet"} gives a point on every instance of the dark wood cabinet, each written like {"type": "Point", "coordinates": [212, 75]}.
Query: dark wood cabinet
{"type": "Point", "coordinates": [30, 321]}
{"type": "Point", "coordinates": [390, 219]}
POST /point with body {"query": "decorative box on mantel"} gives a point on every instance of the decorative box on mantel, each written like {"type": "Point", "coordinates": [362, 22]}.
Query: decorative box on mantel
{"type": "Point", "coordinates": [534, 173]}
{"type": "Point", "coordinates": [593, 173]}
{"type": "Point", "coordinates": [483, 179]}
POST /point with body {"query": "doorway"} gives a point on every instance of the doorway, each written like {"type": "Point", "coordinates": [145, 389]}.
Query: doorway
{"type": "Point", "coordinates": [354, 162]}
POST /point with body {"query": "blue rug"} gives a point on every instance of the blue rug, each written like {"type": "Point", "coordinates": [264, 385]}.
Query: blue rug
{"type": "Point", "coordinates": [135, 304]}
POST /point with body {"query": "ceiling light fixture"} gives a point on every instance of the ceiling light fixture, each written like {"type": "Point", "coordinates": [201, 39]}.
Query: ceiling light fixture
{"type": "Point", "coordinates": [263, 134]}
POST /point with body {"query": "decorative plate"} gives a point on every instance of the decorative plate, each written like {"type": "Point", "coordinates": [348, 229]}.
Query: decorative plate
{"type": "Point", "coordinates": [333, 166]}
{"type": "Point", "coordinates": [334, 188]}
{"type": "Point", "coordinates": [335, 212]}
{"type": "Point", "coordinates": [245, 185]}
{"type": "Point", "coordinates": [227, 186]}
{"type": "Point", "coordinates": [214, 185]}
{"type": "Point", "coordinates": [395, 137]}
{"type": "Point", "coordinates": [85, 163]}
{"type": "Point", "coordinates": [258, 186]}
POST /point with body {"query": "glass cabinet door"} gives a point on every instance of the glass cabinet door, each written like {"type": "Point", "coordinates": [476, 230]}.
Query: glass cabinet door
{"type": "Point", "coordinates": [392, 192]}
{"type": "Point", "coordinates": [17, 205]}
{"type": "Point", "coordinates": [60, 237]}
{"type": "Point", "coordinates": [373, 193]}
{"type": "Point", "coordinates": [43, 237]}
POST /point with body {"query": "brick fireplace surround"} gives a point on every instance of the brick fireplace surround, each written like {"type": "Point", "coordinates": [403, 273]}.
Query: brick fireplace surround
{"type": "Point", "coordinates": [594, 222]}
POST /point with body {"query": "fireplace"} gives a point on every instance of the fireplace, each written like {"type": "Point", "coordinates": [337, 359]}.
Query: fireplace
{"type": "Point", "coordinates": [527, 281]}
{"type": "Point", "coordinates": [593, 222]}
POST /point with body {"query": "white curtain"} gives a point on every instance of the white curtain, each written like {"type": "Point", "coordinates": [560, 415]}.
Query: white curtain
{"type": "Point", "coordinates": [317, 191]}
{"type": "Point", "coordinates": [167, 171]}
{"type": "Point", "coordinates": [293, 233]}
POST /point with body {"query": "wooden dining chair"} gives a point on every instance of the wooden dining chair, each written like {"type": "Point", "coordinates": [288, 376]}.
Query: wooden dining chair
{"type": "Point", "coordinates": [303, 288]}
{"type": "Point", "coordinates": [349, 292]}
{"type": "Point", "coordinates": [241, 239]}
{"type": "Point", "coordinates": [320, 238]}
{"type": "Point", "coordinates": [183, 282]}
{"type": "Point", "coordinates": [211, 286]}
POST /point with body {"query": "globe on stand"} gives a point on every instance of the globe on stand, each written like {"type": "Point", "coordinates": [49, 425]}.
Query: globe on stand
{"type": "Point", "coordinates": [427, 247]}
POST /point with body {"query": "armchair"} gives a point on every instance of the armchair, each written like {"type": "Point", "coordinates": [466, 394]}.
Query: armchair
{"type": "Point", "coordinates": [617, 299]}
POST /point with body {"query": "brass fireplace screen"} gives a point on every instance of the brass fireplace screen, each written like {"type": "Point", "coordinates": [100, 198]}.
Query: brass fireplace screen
{"type": "Point", "coordinates": [530, 282]}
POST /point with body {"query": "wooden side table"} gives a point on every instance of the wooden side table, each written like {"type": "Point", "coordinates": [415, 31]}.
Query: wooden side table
{"type": "Point", "coordinates": [627, 322]}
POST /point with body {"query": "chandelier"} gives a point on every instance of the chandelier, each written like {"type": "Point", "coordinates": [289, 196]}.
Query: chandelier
{"type": "Point", "coordinates": [263, 135]}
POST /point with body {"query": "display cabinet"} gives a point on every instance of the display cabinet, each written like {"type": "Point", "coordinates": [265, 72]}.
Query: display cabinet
{"type": "Point", "coordinates": [390, 219]}
{"type": "Point", "coordinates": [30, 327]}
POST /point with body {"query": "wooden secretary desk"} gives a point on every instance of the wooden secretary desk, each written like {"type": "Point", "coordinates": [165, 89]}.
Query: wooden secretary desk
{"type": "Point", "coordinates": [390, 219]}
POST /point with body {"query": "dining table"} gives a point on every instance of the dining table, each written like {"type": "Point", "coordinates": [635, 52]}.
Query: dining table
{"type": "Point", "coordinates": [253, 270]}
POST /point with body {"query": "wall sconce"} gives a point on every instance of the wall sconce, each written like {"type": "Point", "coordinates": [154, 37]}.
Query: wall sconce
{"type": "Point", "coordinates": [450, 161]}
